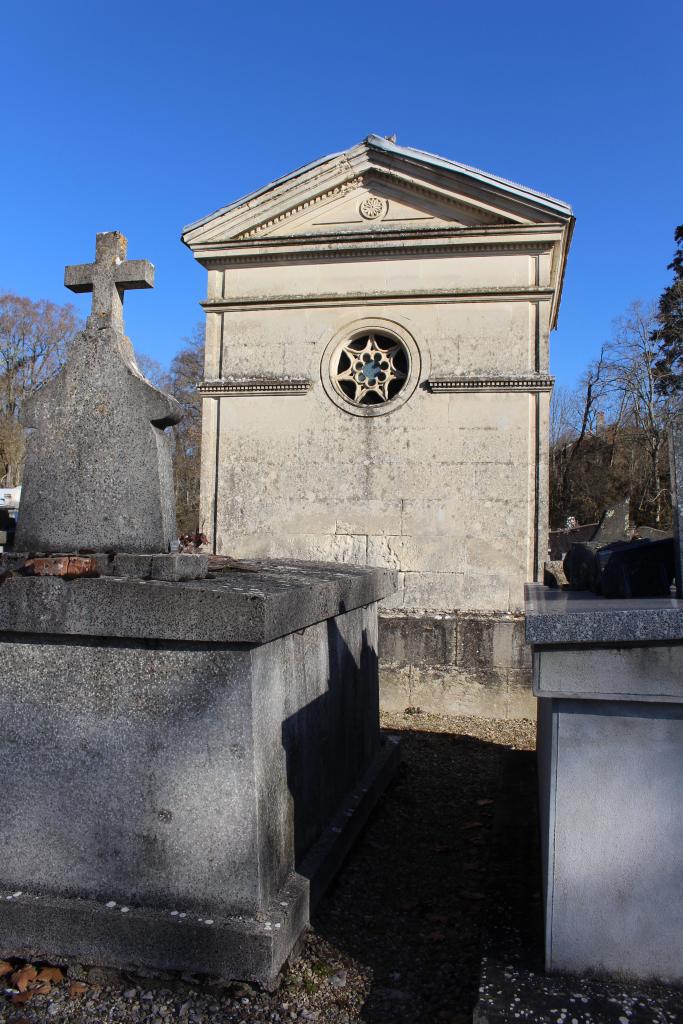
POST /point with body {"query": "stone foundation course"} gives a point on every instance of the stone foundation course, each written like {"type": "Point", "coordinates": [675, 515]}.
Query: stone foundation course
{"type": "Point", "coordinates": [455, 663]}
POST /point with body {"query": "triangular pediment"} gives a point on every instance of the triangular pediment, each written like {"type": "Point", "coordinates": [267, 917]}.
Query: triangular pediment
{"type": "Point", "coordinates": [373, 202]}
{"type": "Point", "coordinates": [377, 187]}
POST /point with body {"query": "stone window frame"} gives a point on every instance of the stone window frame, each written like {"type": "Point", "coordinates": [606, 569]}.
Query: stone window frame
{"type": "Point", "coordinates": [355, 329]}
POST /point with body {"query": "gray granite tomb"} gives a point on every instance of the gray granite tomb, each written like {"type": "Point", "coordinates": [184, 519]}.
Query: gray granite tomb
{"type": "Point", "coordinates": [185, 762]}
{"type": "Point", "coordinates": [608, 674]}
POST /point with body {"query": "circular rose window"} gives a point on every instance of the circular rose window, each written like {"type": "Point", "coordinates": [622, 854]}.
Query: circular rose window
{"type": "Point", "coordinates": [370, 370]}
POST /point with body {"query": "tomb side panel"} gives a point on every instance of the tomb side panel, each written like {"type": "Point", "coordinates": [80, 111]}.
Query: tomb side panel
{"type": "Point", "coordinates": [133, 763]}
{"type": "Point", "coordinates": [618, 876]}
{"type": "Point", "coordinates": [316, 732]}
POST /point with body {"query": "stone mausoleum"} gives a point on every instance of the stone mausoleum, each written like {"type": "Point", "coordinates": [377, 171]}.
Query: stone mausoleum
{"type": "Point", "coordinates": [376, 392]}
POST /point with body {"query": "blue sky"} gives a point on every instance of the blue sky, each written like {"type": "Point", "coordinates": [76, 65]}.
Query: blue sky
{"type": "Point", "coordinates": [144, 117]}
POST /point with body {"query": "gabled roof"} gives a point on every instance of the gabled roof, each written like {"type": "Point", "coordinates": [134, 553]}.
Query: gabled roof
{"type": "Point", "coordinates": [378, 154]}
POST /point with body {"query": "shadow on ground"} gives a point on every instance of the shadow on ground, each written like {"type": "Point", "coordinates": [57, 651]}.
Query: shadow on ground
{"type": "Point", "coordinates": [410, 902]}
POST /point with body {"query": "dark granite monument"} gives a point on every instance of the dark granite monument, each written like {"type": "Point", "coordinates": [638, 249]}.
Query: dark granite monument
{"type": "Point", "coordinates": [201, 748]}
{"type": "Point", "coordinates": [618, 561]}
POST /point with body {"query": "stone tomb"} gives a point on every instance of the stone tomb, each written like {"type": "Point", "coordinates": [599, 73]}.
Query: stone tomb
{"type": "Point", "coordinates": [185, 763]}
{"type": "Point", "coordinates": [376, 392]}
{"type": "Point", "coordinates": [608, 675]}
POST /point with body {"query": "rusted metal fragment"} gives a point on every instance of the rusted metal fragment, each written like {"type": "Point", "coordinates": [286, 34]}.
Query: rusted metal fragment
{"type": "Point", "coordinates": [67, 566]}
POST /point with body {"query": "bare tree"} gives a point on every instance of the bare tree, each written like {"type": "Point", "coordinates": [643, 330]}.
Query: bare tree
{"type": "Point", "coordinates": [632, 358]}
{"type": "Point", "coordinates": [154, 371]}
{"type": "Point", "coordinates": [562, 415]}
{"type": "Point", "coordinates": [34, 337]}
{"type": "Point", "coordinates": [609, 436]}
{"type": "Point", "coordinates": [187, 370]}
{"type": "Point", "coordinates": [573, 419]}
{"type": "Point", "coordinates": [180, 380]}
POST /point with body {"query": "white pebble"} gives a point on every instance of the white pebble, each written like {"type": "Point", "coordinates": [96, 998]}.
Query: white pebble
{"type": "Point", "coordinates": [111, 904]}
{"type": "Point", "coordinates": [209, 920]}
{"type": "Point", "coordinates": [15, 894]}
{"type": "Point", "coordinates": [182, 915]}
{"type": "Point", "coordinates": [174, 913]}
{"type": "Point", "coordinates": [124, 910]}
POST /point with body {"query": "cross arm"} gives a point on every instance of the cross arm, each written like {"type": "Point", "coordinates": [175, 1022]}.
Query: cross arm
{"type": "Point", "coordinates": [134, 274]}
{"type": "Point", "coordinates": [129, 274]}
{"type": "Point", "coordinates": [79, 278]}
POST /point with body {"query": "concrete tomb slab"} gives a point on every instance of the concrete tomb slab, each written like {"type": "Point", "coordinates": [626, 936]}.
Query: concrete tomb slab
{"type": "Point", "coordinates": [609, 678]}
{"type": "Point", "coordinates": [608, 675]}
{"type": "Point", "coordinates": [211, 789]}
{"type": "Point", "coordinates": [187, 760]}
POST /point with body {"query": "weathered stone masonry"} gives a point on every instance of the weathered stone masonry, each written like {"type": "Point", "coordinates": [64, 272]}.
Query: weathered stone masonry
{"type": "Point", "coordinates": [377, 388]}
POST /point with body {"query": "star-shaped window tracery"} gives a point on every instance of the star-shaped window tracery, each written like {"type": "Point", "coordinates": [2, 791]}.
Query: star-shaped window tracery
{"type": "Point", "coordinates": [371, 369]}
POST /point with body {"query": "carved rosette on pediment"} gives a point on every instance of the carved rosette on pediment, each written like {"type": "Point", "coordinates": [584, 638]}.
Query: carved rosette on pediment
{"type": "Point", "coordinates": [373, 208]}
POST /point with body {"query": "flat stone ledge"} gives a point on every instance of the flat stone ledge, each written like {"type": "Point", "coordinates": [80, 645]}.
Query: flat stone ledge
{"type": "Point", "coordinates": [252, 602]}
{"type": "Point", "coordinates": [238, 948]}
{"type": "Point", "coordinates": [579, 617]}
{"type": "Point", "coordinates": [171, 567]}
{"type": "Point", "coordinates": [649, 673]}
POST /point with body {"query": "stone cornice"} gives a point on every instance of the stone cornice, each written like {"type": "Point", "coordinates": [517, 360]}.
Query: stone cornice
{"type": "Point", "coordinates": [405, 187]}
{"type": "Point", "coordinates": [422, 296]}
{"type": "Point", "coordinates": [530, 382]}
{"type": "Point", "coordinates": [323, 197]}
{"type": "Point", "coordinates": [407, 170]}
{"type": "Point", "coordinates": [236, 386]}
{"type": "Point", "coordinates": [397, 244]}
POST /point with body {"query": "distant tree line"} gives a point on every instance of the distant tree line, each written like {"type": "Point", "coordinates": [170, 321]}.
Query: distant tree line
{"type": "Point", "coordinates": [34, 341]}
{"type": "Point", "coordinates": [180, 380]}
{"type": "Point", "coordinates": [34, 337]}
{"type": "Point", "coordinates": [608, 436]}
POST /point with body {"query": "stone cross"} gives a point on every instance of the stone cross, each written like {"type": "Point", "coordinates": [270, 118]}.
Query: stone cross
{"type": "Point", "coordinates": [98, 473]}
{"type": "Point", "coordinates": [108, 277]}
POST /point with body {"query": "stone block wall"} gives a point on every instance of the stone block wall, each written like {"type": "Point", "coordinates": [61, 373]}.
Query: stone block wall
{"type": "Point", "coordinates": [474, 663]}
{"type": "Point", "coordinates": [447, 482]}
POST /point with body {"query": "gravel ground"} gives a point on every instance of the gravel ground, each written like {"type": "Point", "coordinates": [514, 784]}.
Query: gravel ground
{"type": "Point", "coordinates": [396, 940]}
